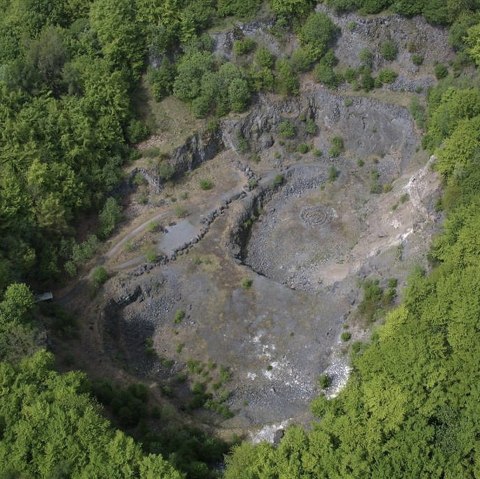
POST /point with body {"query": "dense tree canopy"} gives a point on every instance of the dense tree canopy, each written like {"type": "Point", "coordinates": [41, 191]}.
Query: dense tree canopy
{"type": "Point", "coordinates": [67, 72]}
{"type": "Point", "coordinates": [51, 428]}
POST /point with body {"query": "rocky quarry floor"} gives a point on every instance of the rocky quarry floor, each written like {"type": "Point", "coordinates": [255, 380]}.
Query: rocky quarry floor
{"type": "Point", "coordinates": [255, 282]}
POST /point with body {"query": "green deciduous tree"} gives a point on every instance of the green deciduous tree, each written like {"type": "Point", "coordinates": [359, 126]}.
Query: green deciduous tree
{"type": "Point", "coordinates": [238, 94]}
{"type": "Point", "coordinates": [317, 33]}
{"type": "Point", "coordinates": [116, 24]}
{"type": "Point", "coordinates": [109, 217]}
{"type": "Point", "coordinates": [289, 8]}
{"type": "Point", "coordinates": [51, 428]}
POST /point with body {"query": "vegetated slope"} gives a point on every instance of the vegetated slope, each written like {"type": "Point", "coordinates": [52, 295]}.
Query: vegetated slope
{"type": "Point", "coordinates": [411, 407]}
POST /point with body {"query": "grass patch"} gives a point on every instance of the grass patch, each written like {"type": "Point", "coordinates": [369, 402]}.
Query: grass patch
{"type": "Point", "coordinates": [337, 147]}
{"type": "Point", "coordinates": [303, 148]}
{"type": "Point", "coordinates": [278, 180]}
{"type": "Point", "coordinates": [286, 129]}
{"type": "Point", "coordinates": [179, 316]}
{"type": "Point", "coordinates": [180, 211]}
{"type": "Point", "coordinates": [206, 184]}
{"type": "Point", "coordinates": [333, 174]}
{"type": "Point", "coordinates": [150, 254]}
{"type": "Point", "coordinates": [153, 226]}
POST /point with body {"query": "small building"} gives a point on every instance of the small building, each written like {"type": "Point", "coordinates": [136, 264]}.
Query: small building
{"type": "Point", "coordinates": [48, 296]}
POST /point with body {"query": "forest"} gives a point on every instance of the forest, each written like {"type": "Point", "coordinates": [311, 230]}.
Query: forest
{"type": "Point", "coordinates": [69, 70]}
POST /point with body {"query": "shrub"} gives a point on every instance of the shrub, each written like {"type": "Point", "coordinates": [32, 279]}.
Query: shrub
{"type": "Point", "coordinates": [392, 282]}
{"type": "Point", "coordinates": [165, 171]}
{"type": "Point", "coordinates": [109, 217]}
{"type": "Point", "coordinates": [264, 58]}
{"type": "Point", "coordinates": [239, 8]}
{"type": "Point", "coordinates": [201, 106]}
{"type": "Point", "coordinates": [303, 148]}
{"type": "Point", "coordinates": [136, 131]}
{"type": "Point", "coordinates": [337, 146]}
{"type": "Point", "coordinates": [84, 251]}
{"type": "Point", "coordinates": [325, 74]}
{"type": "Point", "coordinates": [389, 50]}
{"type": "Point", "coordinates": [247, 283]}
{"type": "Point", "coordinates": [370, 307]}
{"type": "Point", "coordinates": [441, 71]}
{"type": "Point", "coordinates": [301, 60]}
{"type": "Point", "coordinates": [375, 186]}
{"type": "Point", "coordinates": [286, 129]}
{"type": "Point", "coordinates": [387, 76]}
{"type": "Point", "coordinates": [278, 180]}
{"type": "Point", "coordinates": [367, 82]}
{"type": "Point", "coordinates": [366, 57]}
{"type": "Point", "coordinates": [151, 255]}
{"type": "Point", "coordinates": [350, 75]}
{"type": "Point", "coordinates": [238, 94]}
{"type": "Point", "coordinates": [317, 33]}
{"type": "Point", "coordinates": [263, 80]}
{"type": "Point", "coordinates": [333, 174]}
{"type": "Point", "coordinates": [153, 226]}
{"type": "Point", "coordinates": [190, 70]}
{"type": "Point", "coordinates": [206, 184]}
{"type": "Point", "coordinates": [242, 144]}
{"type": "Point", "coordinates": [417, 59]}
{"type": "Point", "coordinates": [310, 127]}
{"type": "Point", "coordinates": [179, 316]}
{"type": "Point", "coordinates": [149, 348]}
{"type": "Point", "coordinates": [243, 47]}
{"type": "Point", "coordinates": [287, 79]}
{"type": "Point", "coordinates": [291, 8]}
{"type": "Point", "coordinates": [346, 336]}
{"type": "Point", "coordinates": [324, 381]}
{"type": "Point", "coordinates": [180, 211]}
{"type": "Point", "coordinates": [357, 347]}
{"type": "Point", "coordinates": [139, 180]}
{"type": "Point", "coordinates": [99, 276]}
{"type": "Point", "coordinates": [161, 79]}
{"type": "Point", "coordinates": [418, 112]}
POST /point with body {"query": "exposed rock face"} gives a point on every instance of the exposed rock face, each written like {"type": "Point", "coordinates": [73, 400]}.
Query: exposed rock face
{"type": "Point", "coordinates": [367, 126]}
{"type": "Point", "coordinates": [153, 180]}
{"type": "Point", "coordinates": [411, 35]}
{"type": "Point", "coordinates": [258, 30]}
{"type": "Point", "coordinates": [197, 149]}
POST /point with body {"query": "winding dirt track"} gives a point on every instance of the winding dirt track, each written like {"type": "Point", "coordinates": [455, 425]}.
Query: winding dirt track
{"type": "Point", "coordinates": [132, 234]}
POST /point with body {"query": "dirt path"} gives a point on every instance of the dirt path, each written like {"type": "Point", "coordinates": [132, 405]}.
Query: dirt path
{"type": "Point", "coordinates": [186, 230]}
{"type": "Point", "coordinates": [116, 248]}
